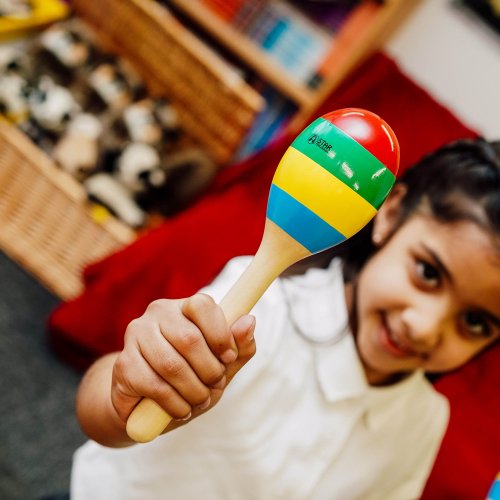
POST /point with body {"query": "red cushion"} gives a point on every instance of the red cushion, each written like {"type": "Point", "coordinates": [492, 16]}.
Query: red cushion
{"type": "Point", "coordinates": [469, 457]}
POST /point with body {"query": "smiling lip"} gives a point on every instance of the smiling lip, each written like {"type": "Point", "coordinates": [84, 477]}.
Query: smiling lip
{"type": "Point", "coordinates": [391, 344]}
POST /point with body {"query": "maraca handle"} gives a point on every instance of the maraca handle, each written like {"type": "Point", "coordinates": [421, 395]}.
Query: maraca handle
{"type": "Point", "coordinates": [147, 421]}
{"type": "Point", "coordinates": [268, 263]}
{"type": "Point", "coordinates": [276, 253]}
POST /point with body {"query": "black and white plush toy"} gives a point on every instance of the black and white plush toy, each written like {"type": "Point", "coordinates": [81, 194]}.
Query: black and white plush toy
{"type": "Point", "coordinates": [78, 150]}
{"type": "Point", "coordinates": [14, 85]}
{"type": "Point", "coordinates": [14, 92]}
{"type": "Point", "coordinates": [14, 60]}
{"type": "Point", "coordinates": [150, 121]}
{"type": "Point", "coordinates": [63, 52]}
{"type": "Point", "coordinates": [190, 171]}
{"type": "Point", "coordinates": [141, 124]}
{"type": "Point", "coordinates": [137, 183]}
{"type": "Point", "coordinates": [108, 88]}
{"type": "Point", "coordinates": [52, 106]}
{"type": "Point", "coordinates": [136, 170]}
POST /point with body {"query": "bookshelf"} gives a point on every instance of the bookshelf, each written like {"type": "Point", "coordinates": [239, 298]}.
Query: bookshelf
{"type": "Point", "coordinates": [363, 29]}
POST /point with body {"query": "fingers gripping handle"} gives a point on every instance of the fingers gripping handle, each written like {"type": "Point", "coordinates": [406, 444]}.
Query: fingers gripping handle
{"type": "Point", "coordinates": [148, 420]}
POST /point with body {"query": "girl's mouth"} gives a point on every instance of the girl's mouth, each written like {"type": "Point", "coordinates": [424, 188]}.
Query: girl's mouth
{"type": "Point", "coordinates": [390, 342]}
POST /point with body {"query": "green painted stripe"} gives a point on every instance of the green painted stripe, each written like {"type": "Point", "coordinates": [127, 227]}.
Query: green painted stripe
{"type": "Point", "coordinates": [346, 159]}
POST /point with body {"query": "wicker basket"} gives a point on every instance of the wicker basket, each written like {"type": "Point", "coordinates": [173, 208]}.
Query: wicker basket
{"type": "Point", "coordinates": [215, 105]}
{"type": "Point", "coordinates": [46, 223]}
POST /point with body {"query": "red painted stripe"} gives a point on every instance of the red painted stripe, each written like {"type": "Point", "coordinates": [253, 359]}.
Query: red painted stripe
{"type": "Point", "coordinates": [369, 130]}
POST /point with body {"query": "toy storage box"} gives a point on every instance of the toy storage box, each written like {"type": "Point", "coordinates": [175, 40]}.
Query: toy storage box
{"type": "Point", "coordinates": [46, 223]}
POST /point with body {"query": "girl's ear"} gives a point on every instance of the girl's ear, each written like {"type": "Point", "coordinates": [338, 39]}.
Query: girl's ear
{"type": "Point", "coordinates": [388, 216]}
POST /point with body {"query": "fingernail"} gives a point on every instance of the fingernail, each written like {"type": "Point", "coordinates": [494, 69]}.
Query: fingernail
{"type": "Point", "coordinates": [187, 417]}
{"type": "Point", "coordinates": [246, 322]}
{"type": "Point", "coordinates": [220, 384]}
{"type": "Point", "coordinates": [206, 404]}
{"type": "Point", "coordinates": [228, 356]}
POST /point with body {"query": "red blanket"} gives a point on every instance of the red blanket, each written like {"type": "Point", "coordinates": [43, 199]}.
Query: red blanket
{"type": "Point", "coordinates": [188, 250]}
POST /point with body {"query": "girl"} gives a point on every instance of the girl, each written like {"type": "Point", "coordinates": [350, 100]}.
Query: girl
{"type": "Point", "coordinates": [335, 404]}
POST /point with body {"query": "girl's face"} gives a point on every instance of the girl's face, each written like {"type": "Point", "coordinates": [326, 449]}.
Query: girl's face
{"type": "Point", "coordinates": [429, 298]}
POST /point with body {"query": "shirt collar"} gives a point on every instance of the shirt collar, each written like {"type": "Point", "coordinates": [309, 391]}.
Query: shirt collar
{"type": "Point", "coordinates": [339, 371]}
{"type": "Point", "coordinates": [384, 402]}
{"type": "Point", "coordinates": [341, 377]}
{"type": "Point", "coordinates": [320, 315]}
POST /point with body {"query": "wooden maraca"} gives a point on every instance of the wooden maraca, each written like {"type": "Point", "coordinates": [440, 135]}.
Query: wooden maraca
{"type": "Point", "coordinates": [329, 184]}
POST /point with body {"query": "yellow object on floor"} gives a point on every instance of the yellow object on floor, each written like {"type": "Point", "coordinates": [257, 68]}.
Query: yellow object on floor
{"type": "Point", "coordinates": [42, 12]}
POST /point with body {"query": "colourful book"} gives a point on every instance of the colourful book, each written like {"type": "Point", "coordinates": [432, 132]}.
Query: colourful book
{"type": "Point", "coordinates": [268, 124]}
{"type": "Point", "coordinates": [261, 25]}
{"type": "Point", "coordinates": [340, 44]}
{"type": "Point", "coordinates": [292, 41]}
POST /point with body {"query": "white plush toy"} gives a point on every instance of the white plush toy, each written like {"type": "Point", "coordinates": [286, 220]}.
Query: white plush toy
{"type": "Point", "coordinates": [52, 106]}
{"type": "Point", "coordinates": [110, 85]}
{"type": "Point", "coordinates": [14, 86]}
{"type": "Point", "coordinates": [15, 8]}
{"type": "Point", "coordinates": [78, 150]}
{"type": "Point", "coordinates": [13, 59]}
{"type": "Point", "coordinates": [66, 45]}
{"type": "Point", "coordinates": [136, 170]}
{"type": "Point", "coordinates": [141, 123]}
{"type": "Point", "coordinates": [13, 98]}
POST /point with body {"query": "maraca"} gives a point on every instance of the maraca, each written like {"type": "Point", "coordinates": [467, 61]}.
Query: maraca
{"type": "Point", "coordinates": [329, 184]}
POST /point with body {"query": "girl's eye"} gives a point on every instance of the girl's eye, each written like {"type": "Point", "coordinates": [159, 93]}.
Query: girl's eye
{"type": "Point", "coordinates": [428, 274]}
{"type": "Point", "coordinates": [476, 324]}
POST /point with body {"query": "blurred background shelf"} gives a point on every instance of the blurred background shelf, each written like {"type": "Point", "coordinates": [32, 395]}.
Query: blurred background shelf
{"type": "Point", "coordinates": [303, 50]}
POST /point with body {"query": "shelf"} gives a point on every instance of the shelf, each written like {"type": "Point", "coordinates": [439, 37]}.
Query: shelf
{"type": "Point", "coordinates": [363, 31]}
{"type": "Point", "coordinates": [246, 50]}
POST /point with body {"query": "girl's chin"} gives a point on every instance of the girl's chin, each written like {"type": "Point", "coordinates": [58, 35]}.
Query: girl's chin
{"type": "Point", "coordinates": [383, 369]}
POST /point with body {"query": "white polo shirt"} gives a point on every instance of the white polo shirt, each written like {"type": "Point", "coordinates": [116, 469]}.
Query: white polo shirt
{"type": "Point", "coordinates": [298, 422]}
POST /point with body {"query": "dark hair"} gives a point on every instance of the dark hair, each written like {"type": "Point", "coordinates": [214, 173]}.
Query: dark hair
{"type": "Point", "coordinates": [458, 181]}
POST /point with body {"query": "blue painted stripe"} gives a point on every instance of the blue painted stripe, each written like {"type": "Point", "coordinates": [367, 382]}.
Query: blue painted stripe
{"type": "Point", "coordinates": [494, 493]}
{"type": "Point", "coordinates": [300, 223]}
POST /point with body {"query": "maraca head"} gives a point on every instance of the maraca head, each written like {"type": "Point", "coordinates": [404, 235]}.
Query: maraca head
{"type": "Point", "coordinates": [333, 178]}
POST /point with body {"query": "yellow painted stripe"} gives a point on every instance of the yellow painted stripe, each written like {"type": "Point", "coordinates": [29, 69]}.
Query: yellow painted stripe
{"type": "Point", "coordinates": [322, 193]}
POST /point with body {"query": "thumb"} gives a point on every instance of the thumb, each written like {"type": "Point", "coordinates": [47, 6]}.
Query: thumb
{"type": "Point", "coordinates": [242, 330]}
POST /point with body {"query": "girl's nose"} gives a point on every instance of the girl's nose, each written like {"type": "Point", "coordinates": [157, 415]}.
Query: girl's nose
{"type": "Point", "coordinates": [426, 323]}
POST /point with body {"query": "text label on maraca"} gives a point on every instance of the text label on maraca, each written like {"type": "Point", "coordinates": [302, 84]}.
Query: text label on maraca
{"type": "Point", "coordinates": [320, 142]}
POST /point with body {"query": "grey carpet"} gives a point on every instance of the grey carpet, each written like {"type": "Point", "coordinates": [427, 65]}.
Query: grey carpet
{"type": "Point", "coordinates": [38, 430]}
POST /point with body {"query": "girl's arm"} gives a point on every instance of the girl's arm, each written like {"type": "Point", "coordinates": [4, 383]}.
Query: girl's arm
{"type": "Point", "coordinates": [180, 353]}
{"type": "Point", "coordinates": [94, 409]}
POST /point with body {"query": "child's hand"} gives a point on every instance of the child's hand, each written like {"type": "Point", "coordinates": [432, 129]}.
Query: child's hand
{"type": "Point", "coordinates": [181, 354]}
